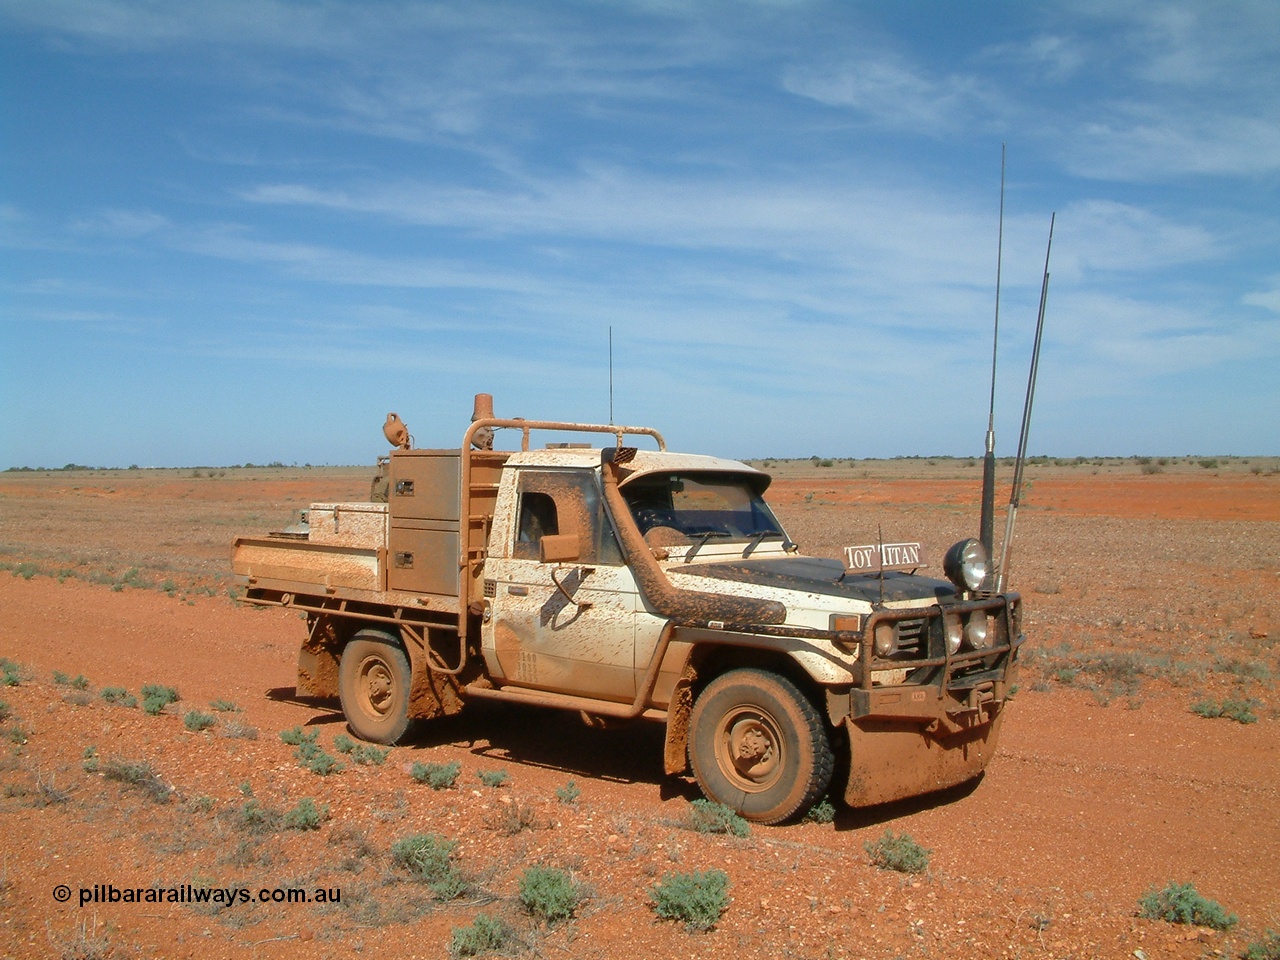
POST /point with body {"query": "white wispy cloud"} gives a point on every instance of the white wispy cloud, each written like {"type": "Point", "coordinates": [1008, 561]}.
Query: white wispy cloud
{"type": "Point", "coordinates": [1144, 142]}
{"type": "Point", "coordinates": [1107, 236]}
{"type": "Point", "coordinates": [121, 224]}
{"type": "Point", "coordinates": [1267, 299]}
{"type": "Point", "coordinates": [895, 92]}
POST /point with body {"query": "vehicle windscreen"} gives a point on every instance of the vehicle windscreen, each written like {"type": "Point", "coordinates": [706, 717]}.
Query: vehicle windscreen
{"type": "Point", "coordinates": [701, 506]}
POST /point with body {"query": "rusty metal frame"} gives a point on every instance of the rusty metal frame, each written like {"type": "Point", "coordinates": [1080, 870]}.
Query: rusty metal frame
{"type": "Point", "coordinates": [414, 628]}
{"type": "Point", "coordinates": [998, 606]}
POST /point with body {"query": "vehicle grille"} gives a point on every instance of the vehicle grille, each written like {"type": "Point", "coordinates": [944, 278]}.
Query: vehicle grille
{"type": "Point", "coordinates": [913, 639]}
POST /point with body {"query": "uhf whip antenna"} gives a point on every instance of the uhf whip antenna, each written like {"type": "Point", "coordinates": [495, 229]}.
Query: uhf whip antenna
{"type": "Point", "coordinates": [986, 532]}
{"type": "Point", "coordinates": [1016, 495]}
{"type": "Point", "coordinates": [611, 375]}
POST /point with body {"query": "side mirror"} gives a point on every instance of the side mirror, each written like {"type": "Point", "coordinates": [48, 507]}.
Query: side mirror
{"type": "Point", "coordinates": [559, 548]}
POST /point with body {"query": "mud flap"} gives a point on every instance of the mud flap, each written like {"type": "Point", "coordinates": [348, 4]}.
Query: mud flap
{"type": "Point", "coordinates": [894, 759]}
{"type": "Point", "coordinates": [431, 694]}
{"type": "Point", "coordinates": [317, 661]}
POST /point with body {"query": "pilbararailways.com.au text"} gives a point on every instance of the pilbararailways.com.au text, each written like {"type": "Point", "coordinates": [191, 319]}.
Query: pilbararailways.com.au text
{"type": "Point", "coordinates": [101, 893]}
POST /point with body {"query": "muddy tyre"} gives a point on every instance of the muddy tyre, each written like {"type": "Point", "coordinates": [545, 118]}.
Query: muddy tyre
{"type": "Point", "coordinates": [758, 745]}
{"type": "Point", "coordinates": [373, 684]}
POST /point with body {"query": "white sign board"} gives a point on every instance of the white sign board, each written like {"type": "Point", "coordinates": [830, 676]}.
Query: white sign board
{"type": "Point", "coordinates": [878, 556]}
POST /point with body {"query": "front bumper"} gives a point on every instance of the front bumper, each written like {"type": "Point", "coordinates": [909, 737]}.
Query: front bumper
{"type": "Point", "coordinates": [938, 725]}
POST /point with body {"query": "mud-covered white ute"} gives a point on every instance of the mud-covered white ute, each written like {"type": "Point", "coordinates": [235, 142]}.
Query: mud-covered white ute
{"type": "Point", "coordinates": [625, 583]}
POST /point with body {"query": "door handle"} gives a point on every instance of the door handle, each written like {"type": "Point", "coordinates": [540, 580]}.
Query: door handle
{"type": "Point", "coordinates": [518, 591]}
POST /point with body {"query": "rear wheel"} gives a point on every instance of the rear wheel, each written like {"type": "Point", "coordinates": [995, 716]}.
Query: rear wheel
{"type": "Point", "coordinates": [758, 745]}
{"type": "Point", "coordinates": [373, 684]}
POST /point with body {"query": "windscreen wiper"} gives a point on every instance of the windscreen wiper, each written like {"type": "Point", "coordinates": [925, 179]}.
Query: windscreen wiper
{"type": "Point", "coordinates": [760, 537]}
{"type": "Point", "coordinates": [701, 541]}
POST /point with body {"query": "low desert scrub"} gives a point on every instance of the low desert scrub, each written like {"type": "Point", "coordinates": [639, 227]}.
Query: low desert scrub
{"type": "Point", "coordinates": [84, 942]}
{"type": "Point", "coordinates": [295, 737]}
{"type": "Point", "coordinates": [438, 776]}
{"type": "Point", "coordinates": [696, 899]}
{"type": "Point", "coordinates": [707, 816]}
{"type": "Point", "coordinates": [513, 818]}
{"type": "Point", "coordinates": [569, 793]}
{"type": "Point", "coordinates": [306, 815]}
{"type": "Point", "coordinates": [48, 793]}
{"type": "Point", "coordinates": [1241, 711]}
{"type": "Point", "coordinates": [485, 935]}
{"type": "Point", "coordinates": [137, 773]}
{"type": "Point", "coordinates": [78, 682]}
{"type": "Point", "coordinates": [1268, 948]}
{"type": "Point", "coordinates": [429, 858]}
{"type": "Point", "coordinates": [355, 846]}
{"type": "Point", "coordinates": [492, 778]}
{"type": "Point", "coordinates": [309, 752]}
{"type": "Point", "coordinates": [362, 754]}
{"type": "Point", "coordinates": [315, 759]}
{"type": "Point", "coordinates": [897, 852]}
{"type": "Point", "coordinates": [130, 578]}
{"type": "Point", "coordinates": [255, 818]}
{"type": "Point", "coordinates": [822, 812]}
{"type": "Point", "coordinates": [118, 696]}
{"type": "Point", "coordinates": [198, 720]}
{"type": "Point", "coordinates": [11, 674]}
{"type": "Point", "coordinates": [223, 706]}
{"type": "Point", "coordinates": [239, 730]}
{"type": "Point", "coordinates": [17, 734]}
{"type": "Point", "coordinates": [549, 894]}
{"type": "Point", "coordinates": [1108, 675]}
{"type": "Point", "coordinates": [155, 697]}
{"type": "Point", "coordinates": [1244, 669]}
{"type": "Point", "coordinates": [1180, 903]}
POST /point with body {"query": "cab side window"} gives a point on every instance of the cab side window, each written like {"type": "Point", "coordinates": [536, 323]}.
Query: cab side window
{"type": "Point", "coordinates": [537, 518]}
{"type": "Point", "coordinates": [563, 502]}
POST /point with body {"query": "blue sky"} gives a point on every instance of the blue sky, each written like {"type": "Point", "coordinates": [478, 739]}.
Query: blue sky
{"type": "Point", "coordinates": [245, 230]}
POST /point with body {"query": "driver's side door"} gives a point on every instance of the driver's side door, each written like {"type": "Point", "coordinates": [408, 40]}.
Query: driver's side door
{"type": "Point", "coordinates": [566, 625]}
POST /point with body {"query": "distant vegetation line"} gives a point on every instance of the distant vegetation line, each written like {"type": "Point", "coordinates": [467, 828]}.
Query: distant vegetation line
{"type": "Point", "coordinates": [273, 465]}
{"type": "Point", "coordinates": [1153, 463]}
{"type": "Point", "coordinates": [1208, 463]}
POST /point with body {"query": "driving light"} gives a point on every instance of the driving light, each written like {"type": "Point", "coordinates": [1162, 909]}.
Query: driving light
{"type": "Point", "coordinates": [954, 633]}
{"type": "Point", "coordinates": [977, 632]}
{"type": "Point", "coordinates": [886, 640]}
{"type": "Point", "coordinates": [966, 565]}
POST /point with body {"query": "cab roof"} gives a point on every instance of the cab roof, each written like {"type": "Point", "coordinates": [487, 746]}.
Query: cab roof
{"type": "Point", "coordinates": [645, 463]}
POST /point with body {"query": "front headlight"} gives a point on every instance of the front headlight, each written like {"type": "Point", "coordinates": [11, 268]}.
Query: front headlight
{"type": "Point", "coordinates": [966, 565]}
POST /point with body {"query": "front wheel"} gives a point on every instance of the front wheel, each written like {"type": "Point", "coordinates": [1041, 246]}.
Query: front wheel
{"type": "Point", "coordinates": [757, 745]}
{"type": "Point", "coordinates": [373, 685]}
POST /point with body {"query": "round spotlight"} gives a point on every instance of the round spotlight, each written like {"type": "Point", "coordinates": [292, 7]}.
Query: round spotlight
{"type": "Point", "coordinates": [966, 565]}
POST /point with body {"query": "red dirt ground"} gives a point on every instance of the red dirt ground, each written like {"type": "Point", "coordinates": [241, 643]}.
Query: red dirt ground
{"type": "Point", "coordinates": [1156, 591]}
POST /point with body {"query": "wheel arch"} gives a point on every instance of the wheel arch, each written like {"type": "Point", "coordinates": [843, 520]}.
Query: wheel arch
{"type": "Point", "coordinates": [710, 660]}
